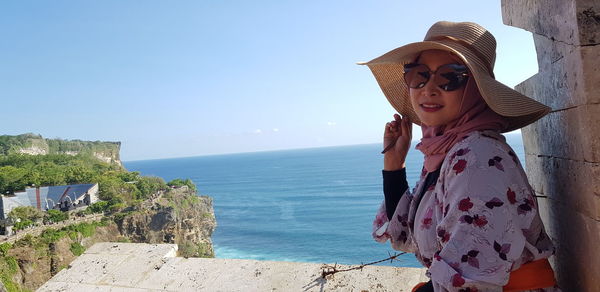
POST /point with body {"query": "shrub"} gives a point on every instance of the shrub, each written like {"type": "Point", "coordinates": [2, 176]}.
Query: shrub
{"type": "Point", "coordinates": [4, 247]}
{"type": "Point", "coordinates": [23, 224]}
{"type": "Point", "coordinates": [77, 249]}
{"type": "Point", "coordinates": [183, 182]}
{"type": "Point", "coordinates": [98, 207]}
{"type": "Point", "coordinates": [51, 235]}
{"type": "Point", "coordinates": [26, 213]}
{"type": "Point", "coordinates": [55, 216]}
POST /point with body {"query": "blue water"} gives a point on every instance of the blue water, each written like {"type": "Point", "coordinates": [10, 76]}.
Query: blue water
{"type": "Point", "coordinates": [308, 205]}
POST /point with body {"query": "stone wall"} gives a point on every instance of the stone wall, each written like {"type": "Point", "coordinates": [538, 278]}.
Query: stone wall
{"type": "Point", "coordinates": [563, 149]}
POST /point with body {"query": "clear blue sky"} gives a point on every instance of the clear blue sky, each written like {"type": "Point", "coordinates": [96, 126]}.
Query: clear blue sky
{"type": "Point", "coordinates": [186, 78]}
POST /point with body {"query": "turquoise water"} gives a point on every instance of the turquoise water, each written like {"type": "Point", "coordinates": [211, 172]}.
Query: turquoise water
{"type": "Point", "coordinates": [308, 205]}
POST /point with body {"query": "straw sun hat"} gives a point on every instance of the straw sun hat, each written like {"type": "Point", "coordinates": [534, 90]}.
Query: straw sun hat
{"type": "Point", "coordinates": [476, 47]}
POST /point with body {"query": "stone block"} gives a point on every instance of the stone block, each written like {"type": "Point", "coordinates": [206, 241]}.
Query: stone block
{"type": "Point", "coordinates": [571, 134]}
{"type": "Point", "coordinates": [576, 237]}
{"type": "Point", "coordinates": [573, 22]}
{"type": "Point", "coordinates": [104, 269]}
{"type": "Point", "coordinates": [119, 264]}
{"type": "Point", "coordinates": [91, 268]}
{"type": "Point", "coordinates": [533, 15]}
{"type": "Point", "coordinates": [572, 183]}
{"type": "Point", "coordinates": [569, 76]}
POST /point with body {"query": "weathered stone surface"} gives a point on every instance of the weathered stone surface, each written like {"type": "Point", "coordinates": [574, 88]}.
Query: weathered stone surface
{"type": "Point", "coordinates": [152, 268]}
{"type": "Point", "coordinates": [576, 238]}
{"type": "Point", "coordinates": [563, 148]}
{"type": "Point", "coordinates": [571, 183]}
{"type": "Point", "coordinates": [108, 262]}
{"type": "Point", "coordinates": [588, 18]}
{"type": "Point", "coordinates": [570, 134]}
{"type": "Point", "coordinates": [571, 22]}
{"type": "Point", "coordinates": [564, 80]}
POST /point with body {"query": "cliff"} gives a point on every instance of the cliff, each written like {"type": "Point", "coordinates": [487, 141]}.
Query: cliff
{"type": "Point", "coordinates": [37, 145]}
{"type": "Point", "coordinates": [172, 216]}
{"type": "Point", "coordinates": [178, 216]}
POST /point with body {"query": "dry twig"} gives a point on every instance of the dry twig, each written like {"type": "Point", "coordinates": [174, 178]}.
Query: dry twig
{"type": "Point", "coordinates": [330, 270]}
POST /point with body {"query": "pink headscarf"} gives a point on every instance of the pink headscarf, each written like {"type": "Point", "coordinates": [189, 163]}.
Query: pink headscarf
{"type": "Point", "coordinates": [474, 115]}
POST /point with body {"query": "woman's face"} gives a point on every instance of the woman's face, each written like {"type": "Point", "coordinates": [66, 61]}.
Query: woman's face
{"type": "Point", "coordinates": [434, 106]}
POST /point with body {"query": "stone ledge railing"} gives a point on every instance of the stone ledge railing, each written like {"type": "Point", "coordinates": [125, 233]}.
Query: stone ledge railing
{"type": "Point", "coordinates": [37, 230]}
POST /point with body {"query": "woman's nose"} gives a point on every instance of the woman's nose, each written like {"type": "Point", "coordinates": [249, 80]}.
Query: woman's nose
{"type": "Point", "coordinates": [430, 89]}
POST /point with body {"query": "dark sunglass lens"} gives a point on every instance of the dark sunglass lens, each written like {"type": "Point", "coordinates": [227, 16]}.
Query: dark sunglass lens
{"type": "Point", "coordinates": [451, 76]}
{"type": "Point", "coordinates": [416, 75]}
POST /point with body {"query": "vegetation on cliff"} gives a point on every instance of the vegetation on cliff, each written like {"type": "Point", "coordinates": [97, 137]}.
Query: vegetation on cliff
{"type": "Point", "coordinates": [31, 261]}
{"type": "Point", "coordinates": [135, 208]}
{"type": "Point", "coordinates": [117, 185]}
{"type": "Point", "coordinates": [36, 144]}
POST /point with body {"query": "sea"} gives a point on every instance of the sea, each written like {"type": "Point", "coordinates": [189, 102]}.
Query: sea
{"type": "Point", "coordinates": [303, 205]}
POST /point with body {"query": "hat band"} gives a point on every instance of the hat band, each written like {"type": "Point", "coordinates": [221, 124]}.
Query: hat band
{"type": "Point", "coordinates": [468, 46]}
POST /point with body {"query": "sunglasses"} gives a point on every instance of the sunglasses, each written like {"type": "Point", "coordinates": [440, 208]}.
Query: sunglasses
{"type": "Point", "coordinates": [447, 77]}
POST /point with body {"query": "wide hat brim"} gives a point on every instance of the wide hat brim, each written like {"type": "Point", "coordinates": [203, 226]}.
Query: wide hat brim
{"type": "Point", "coordinates": [388, 69]}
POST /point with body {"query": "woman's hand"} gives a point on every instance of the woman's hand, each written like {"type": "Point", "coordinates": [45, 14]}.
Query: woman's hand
{"type": "Point", "coordinates": [396, 138]}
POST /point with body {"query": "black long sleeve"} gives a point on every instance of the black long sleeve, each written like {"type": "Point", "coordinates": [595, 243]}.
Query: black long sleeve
{"type": "Point", "coordinates": [394, 186]}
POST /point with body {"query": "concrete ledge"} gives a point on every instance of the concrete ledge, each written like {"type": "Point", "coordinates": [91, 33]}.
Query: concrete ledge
{"type": "Point", "coordinates": [153, 267]}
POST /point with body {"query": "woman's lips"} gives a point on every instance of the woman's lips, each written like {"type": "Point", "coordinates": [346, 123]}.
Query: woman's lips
{"type": "Point", "coordinates": [431, 107]}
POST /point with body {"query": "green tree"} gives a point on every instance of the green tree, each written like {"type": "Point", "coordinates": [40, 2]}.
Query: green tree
{"type": "Point", "coordinates": [150, 184]}
{"type": "Point", "coordinates": [183, 182]}
{"type": "Point", "coordinates": [55, 216]}
{"type": "Point", "coordinates": [11, 179]}
{"type": "Point", "coordinates": [26, 213]}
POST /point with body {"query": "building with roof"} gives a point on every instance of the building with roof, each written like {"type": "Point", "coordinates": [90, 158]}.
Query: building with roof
{"type": "Point", "coordinates": [63, 198]}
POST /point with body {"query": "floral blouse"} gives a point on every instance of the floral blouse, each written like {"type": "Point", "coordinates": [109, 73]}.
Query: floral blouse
{"type": "Point", "coordinates": [475, 224]}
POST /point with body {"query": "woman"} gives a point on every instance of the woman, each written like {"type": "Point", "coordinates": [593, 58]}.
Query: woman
{"type": "Point", "coordinates": [472, 217]}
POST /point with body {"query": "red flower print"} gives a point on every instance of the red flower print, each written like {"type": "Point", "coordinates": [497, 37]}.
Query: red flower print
{"type": "Point", "coordinates": [465, 204]}
{"type": "Point", "coordinates": [495, 202]}
{"type": "Point", "coordinates": [437, 256]}
{"type": "Point", "coordinates": [426, 222]}
{"type": "Point", "coordinates": [479, 221]}
{"type": "Point", "coordinates": [403, 219]}
{"type": "Point", "coordinates": [530, 202]}
{"type": "Point", "coordinates": [459, 166]}
{"type": "Point", "coordinates": [525, 207]}
{"type": "Point", "coordinates": [496, 161]}
{"type": "Point", "coordinates": [460, 152]}
{"type": "Point", "coordinates": [457, 280]}
{"type": "Point", "coordinates": [471, 258]}
{"type": "Point", "coordinates": [475, 219]}
{"type": "Point", "coordinates": [514, 157]}
{"type": "Point", "coordinates": [510, 194]}
{"type": "Point", "coordinates": [427, 262]}
{"type": "Point", "coordinates": [502, 250]}
{"type": "Point", "coordinates": [431, 187]}
{"type": "Point", "coordinates": [444, 235]}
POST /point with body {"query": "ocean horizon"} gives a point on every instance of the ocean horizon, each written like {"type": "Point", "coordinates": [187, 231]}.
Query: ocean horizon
{"type": "Point", "coordinates": [302, 205]}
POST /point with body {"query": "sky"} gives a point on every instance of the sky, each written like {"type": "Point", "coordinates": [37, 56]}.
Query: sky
{"type": "Point", "coordinates": [188, 78]}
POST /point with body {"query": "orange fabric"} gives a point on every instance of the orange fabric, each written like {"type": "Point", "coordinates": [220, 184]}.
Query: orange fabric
{"type": "Point", "coordinates": [418, 286]}
{"type": "Point", "coordinates": [532, 275]}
